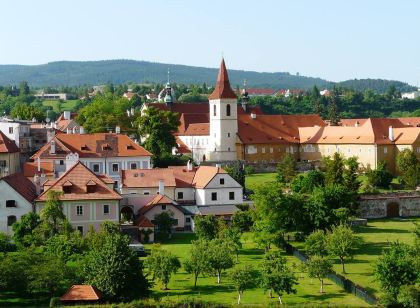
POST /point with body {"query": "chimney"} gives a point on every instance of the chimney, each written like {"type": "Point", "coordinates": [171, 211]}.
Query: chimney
{"type": "Point", "coordinates": [52, 147]}
{"type": "Point", "coordinates": [356, 124]}
{"type": "Point", "coordinates": [67, 115]}
{"type": "Point", "coordinates": [161, 187]}
{"type": "Point", "coordinates": [189, 165]}
{"type": "Point", "coordinates": [253, 115]}
{"type": "Point", "coordinates": [39, 164]}
{"type": "Point", "coordinates": [391, 133]}
{"type": "Point", "coordinates": [118, 130]}
{"type": "Point", "coordinates": [82, 130]}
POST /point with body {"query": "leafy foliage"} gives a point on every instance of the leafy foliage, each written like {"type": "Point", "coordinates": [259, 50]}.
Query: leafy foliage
{"type": "Point", "coordinates": [243, 277]}
{"type": "Point", "coordinates": [286, 168]}
{"type": "Point", "coordinates": [319, 267]}
{"type": "Point", "coordinates": [161, 264]}
{"type": "Point", "coordinates": [379, 177]}
{"type": "Point", "coordinates": [237, 172]}
{"type": "Point", "coordinates": [164, 222]}
{"type": "Point", "coordinates": [198, 262]}
{"type": "Point", "coordinates": [408, 165]}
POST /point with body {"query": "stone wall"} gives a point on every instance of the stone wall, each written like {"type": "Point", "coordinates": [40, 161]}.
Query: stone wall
{"type": "Point", "coordinates": [378, 205]}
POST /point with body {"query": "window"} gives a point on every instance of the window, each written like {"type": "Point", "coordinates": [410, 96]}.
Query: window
{"type": "Point", "coordinates": [263, 150]}
{"type": "Point", "coordinates": [214, 110]}
{"type": "Point", "coordinates": [95, 167]}
{"type": "Point", "coordinates": [61, 162]}
{"type": "Point", "coordinates": [163, 207]}
{"type": "Point", "coordinates": [146, 192]}
{"type": "Point", "coordinates": [180, 195]}
{"type": "Point", "coordinates": [271, 150]}
{"type": "Point", "coordinates": [228, 110]}
{"type": "Point", "coordinates": [228, 149]}
{"type": "Point", "coordinates": [80, 229]}
{"type": "Point", "coordinates": [231, 195]}
{"type": "Point", "coordinates": [222, 181]}
{"type": "Point", "coordinates": [2, 163]}
{"type": "Point", "coordinates": [11, 220]}
{"type": "Point", "coordinates": [90, 189]}
{"type": "Point", "coordinates": [418, 149]}
{"type": "Point", "coordinates": [115, 167]}
{"type": "Point", "coordinates": [10, 130]}
{"type": "Point", "coordinates": [133, 166]}
{"type": "Point", "coordinates": [10, 203]}
{"type": "Point", "coordinates": [385, 150]}
{"type": "Point", "coordinates": [188, 219]}
{"type": "Point", "coordinates": [228, 135]}
{"type": "Point", "coordinates": [214, 196]}
{"type": "Point", "coordinates": [67, 189]}
{"type": "Point", "coordinates": [144, 164]}
{"type": "Point", "coordinates": [79, 210]}
{"type": "Point", "coordinates": [106, 209]}
{"type": "Point", "coordinates": [115, 184]}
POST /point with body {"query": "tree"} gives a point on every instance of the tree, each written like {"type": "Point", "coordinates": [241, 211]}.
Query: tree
{"type": "Point", "coordinates": [342, 242]}
{"type": "Point", "coordinates": [52, 216]}
{"type": "Point", "coordinates": [380, 177]}
{"type": "Point", "coordinates": [6, 244]}
{"type": "Point", "coordinates": [24, 231]}
{"type": "Point", "coordinates": [243, 277]}
{"type": "Point", "coordinates": [351, 180]}
{"type": "Point", "coordinates": [164, 222]}
{"type": "Point", "coordinates": [334, 170]}
{"type": "Point", "coordinates": [276, 276]}
{"type": "Point", "coordinates": [395, 268]}
{"type": "Point", "coordinates": [232, 236]}
{"type": "Point", "coordinates": [409, 296]}
{"type": "Point", "coordinates": [242, 220]}
{"type": "Point", "coordinates": [206, 227]}
{"type": "Point", "coordinates": [308, 181]}
{"type": "Point", "coordinates": [315, 244]}
{"type": "Point", "coordinates": [319, 268]}
{"type": "Point", "coordinates": [66, 246]}
{"type": "Point", "coordinates": [197, 263]}
{"type": "Point", "coordinates": [219, 256]}
{"type": "Point", "coordinates": [158, 128]}
{"type": "Point", "coordinates": [237, 172]}
{"type": "Point", "coordinates": [286, 168]}
{"type": "Point", "coordinates": [408, 166]}
{"type": "Point", "coordinates": [23, 88]}
{"type": "Point", "coordinates": [27, 112]}
{"type": "Point", "coordinates": [333, 114]}
{"type": "Point", "coordinates": [161, 265]}
{"type": "Point", "coordinates": [112, 267]}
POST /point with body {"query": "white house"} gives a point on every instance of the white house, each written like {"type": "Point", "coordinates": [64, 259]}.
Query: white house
{"type": "Point", "coordinates": [411, 95]}
{"type": "Point", "coordinates": [17, 194]}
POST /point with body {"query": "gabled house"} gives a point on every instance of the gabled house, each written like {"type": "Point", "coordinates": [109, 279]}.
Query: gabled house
{"type": "Point", "coordinates": [87, 199]}
{"type": "Point", "coordinates": [103, 153]}
{"type": "Point", "coordinates": [17, 194]}
{"type": "Point", "coordinates": [9, 156]}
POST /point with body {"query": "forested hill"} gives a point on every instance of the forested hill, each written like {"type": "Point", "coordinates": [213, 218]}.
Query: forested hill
{"type": "Point", "coordinates": [73, 73]}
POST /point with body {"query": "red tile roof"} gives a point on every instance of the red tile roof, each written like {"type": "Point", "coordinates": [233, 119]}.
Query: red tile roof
{"type": "Point", "coordinates": [31, 168]}
{"type": "Point", "coordinates": [77, 177]}
{"type": "Point", "coordinates": [204, 175]}
{"type": "Point", "coordinates": [222, 89]}
{"type": "Point", "coordinates": [183, 177]}
{"type": "Point", "coordinates": [21, 185]}
{"type": "Point", "coordinates": [82, 293]}
{"type": "Point", "coordinates": [181, 146]}
{"type": "Point", "coordinates": [260, 91]}
{"type": "Point", "coordinates": [157, 200]}
{"type": "Point", "coordinates": [147, 178]}
{"type": "Point", "coordinates": [7, 145]}
{"type": "Point", "coordinates": [143, 222]}
{"type": "Point", "coordinates": [93, 145]}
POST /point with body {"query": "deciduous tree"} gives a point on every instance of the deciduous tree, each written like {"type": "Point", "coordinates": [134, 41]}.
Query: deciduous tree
{"type": "Point", "coordinates": [319, 268]}
{"type": "Point", "coordinates": [243, 277]}
{"type": "Point", "coordinates": [162, 264]}
{"type": "Point", "coordinates": [197, 262]}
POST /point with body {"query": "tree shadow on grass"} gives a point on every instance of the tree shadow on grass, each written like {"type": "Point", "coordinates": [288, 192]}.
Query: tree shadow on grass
{"type": "Point", "coordinates": [13, 300]}
{"type": "Point", "coordinates": [373, 248]}
{"type": "Point", "coordinates": [372, 229]}
{"type": "Point", "coordinates": [190, 291]}
{"type": "Point", "coordinates": [251, 251]}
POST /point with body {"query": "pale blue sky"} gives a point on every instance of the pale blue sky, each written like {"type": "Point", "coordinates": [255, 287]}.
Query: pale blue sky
{"type": "Point", "coordinates": [335, 40]}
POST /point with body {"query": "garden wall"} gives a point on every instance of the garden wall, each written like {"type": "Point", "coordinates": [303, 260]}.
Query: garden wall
{"type": "Point", "coordinates": [397, 204]}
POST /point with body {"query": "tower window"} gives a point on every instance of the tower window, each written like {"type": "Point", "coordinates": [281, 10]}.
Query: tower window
{"type": "Point", "coordinates": [214, 110]}
{"type": "Point", "coordinates": [228, 110]}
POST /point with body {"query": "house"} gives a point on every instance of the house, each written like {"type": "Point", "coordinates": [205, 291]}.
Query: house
{"type": "Point", "coordinates": [411, 95]}
{"type": "Point", "coordinates": [81, 294]}
{"type": "Point", "coordinates": [17, 131]}
{"type": "Point", "coordinates": [66, 122]}
{"type": "Point", "coordinates": [9, 156]}
{"type": "Point", "coordinates": [54, 96]}
{"type": "Point", "coordinates": [252, 92]}
{"type": "Point", "coordinates": [17, 194]}
{"type": "Point", "coordinates": [87, 199]}
{"type": "Point", "coordinates": [103, 153]}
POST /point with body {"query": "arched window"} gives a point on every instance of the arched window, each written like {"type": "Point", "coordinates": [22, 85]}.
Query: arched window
{"type": "Point", "coordinates": [228, 110]}
{"type": "Point", "coordinates": [214, 110]}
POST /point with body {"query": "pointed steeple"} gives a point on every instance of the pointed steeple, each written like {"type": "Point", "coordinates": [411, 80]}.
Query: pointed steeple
{"type": "Point", "coordinates": [222, 89]}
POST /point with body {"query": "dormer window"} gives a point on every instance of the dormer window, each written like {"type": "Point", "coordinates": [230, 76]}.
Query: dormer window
{"type": "Point", "coordinates": [90, 187]}
{"type": "Point", "coordinates": [106, 147]}
{"type": "Point", "coordinates": [84, 147]}
{"type": "Point", "coordinates": [130, 147]}
{"type": "Point", "coordinates": [67, 187]}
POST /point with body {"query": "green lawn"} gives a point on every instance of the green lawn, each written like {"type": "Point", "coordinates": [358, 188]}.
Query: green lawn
{"type": "Point", "coordinates": [376, 235]}
{"type": "Point", "coordinates": [181, 285]}
{"type": "Point", "coordinates": [58, 106]}
{"type": "Point", "coordinates": [254, 180]}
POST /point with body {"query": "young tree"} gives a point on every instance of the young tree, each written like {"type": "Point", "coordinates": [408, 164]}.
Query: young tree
{"type": "Point", "coordinates": [286, 168]}
{"type": "Point", "coordinates": [408, 166]}
{"type": "Point", "coordinates": [333, 114]}
{"type": "Point", "coordinates": [164, 222]}
{"type": "Point", "coordinates": [316, 244]}
{"type": "Point", "coordinates": [395, 268]}
{"type": "Point", "coordinates": [6, 244]}
{"type": "Point", "coordinates": [334, 170]}
{"type": "Point", "coordinates": [342, 242]}
{"type": "Point", "coordinates": [113, 267]}
{"type": "Point", "coordinates": [232, 236]}
{"type": "Point", "coordinates": [319, 268]}
{"type": "Point", "coordinates": [24, 231]}
{"type": "Point", "coordinates": [161, 265]}
{"type": "Point", "coordinates": [276, 276]}
{"type": "Point", "coordinates": [380, 177]}
{"type": "Point", "coordinates": [308, 181]}
{"type": "Point", "coordinates": [66, 246]}
{"type": "Point", "coordinates": [243, 277]}
{"type": "Point", "coordinates": [219, 257]}
{"type": "Point", "coordinates": [237, 172]}
{"type": "Point", "coordinates": [206, 227]}
{"type": "Point", "coordinates": [242, 220]}
{"type": "Point", "coordinates": [52, 216]}
{"type": "Point", "coordinates": [351, 180]}
{"type": "Point", "coordinates": [197, 262]}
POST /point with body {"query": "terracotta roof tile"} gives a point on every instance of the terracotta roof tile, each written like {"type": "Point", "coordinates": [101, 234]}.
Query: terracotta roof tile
{"type": "Point", "coordinates": [157, 200]}
{"type": "Point", "coordinates": [204, 175]}
{"type": "Point", "coordinates": [21, 185]}
{"type": "Point", "coordinates": [7, 145]}
{"type": "Point", "coordinates": [82, 293]}
{"type": "Point", "coordinates": [147, 178]}
{"type": "Point", "coordinates": [143, 222]}
{"type": "Point", "coordinates": [222, 89]}
{"type": "Point", "coordinates": [260, 91]}
{"type": "Point", "coordinates": [31, 168]}
{"type": "Point", "coordinates": [77, 177]}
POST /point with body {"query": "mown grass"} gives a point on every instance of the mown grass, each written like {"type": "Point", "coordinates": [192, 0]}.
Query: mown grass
{"type": "Point", "coordinates": [59, 106]}
{"type": "Point", "coordinates": [181, 285]}
{"type": "Point", "coordinates": [254, 180]}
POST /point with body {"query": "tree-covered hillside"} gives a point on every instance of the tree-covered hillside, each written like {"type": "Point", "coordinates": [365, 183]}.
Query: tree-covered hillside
{"type": "Point", "coordinates": [379, 85]}
{"type": "Point", "coordinates": [71, 73]}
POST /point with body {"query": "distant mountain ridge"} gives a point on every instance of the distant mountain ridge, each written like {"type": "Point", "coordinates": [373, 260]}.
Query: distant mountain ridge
{"type": "Point", "coordinates": [74, 73]}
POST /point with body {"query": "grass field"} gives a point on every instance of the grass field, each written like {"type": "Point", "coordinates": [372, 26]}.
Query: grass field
{"type": "Point", "coordinates": [253, 180]}
{"type": "Point", "coordinates": [58, 106]}
{"type": "Point", "coordinates": [181, 285]}
{"type": "Point", "coordinates": [376, 235]}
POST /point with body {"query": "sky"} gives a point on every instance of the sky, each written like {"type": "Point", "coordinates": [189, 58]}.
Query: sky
{"type": "Point", "coordinates": [331, 39]}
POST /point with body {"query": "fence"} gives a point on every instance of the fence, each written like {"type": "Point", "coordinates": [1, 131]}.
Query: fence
{"type": "Point", "coordinates": [339, 280]}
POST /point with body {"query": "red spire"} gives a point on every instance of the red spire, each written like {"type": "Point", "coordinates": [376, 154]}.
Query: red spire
{"type": "Point", "coordinates": [222, 89]}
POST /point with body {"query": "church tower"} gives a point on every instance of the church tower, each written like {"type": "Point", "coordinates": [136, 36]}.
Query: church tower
{"type": "Point", "coordinates": [223, 119]}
